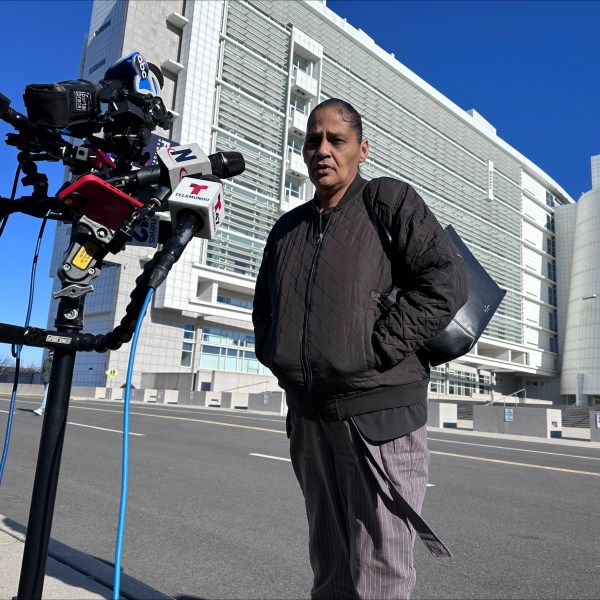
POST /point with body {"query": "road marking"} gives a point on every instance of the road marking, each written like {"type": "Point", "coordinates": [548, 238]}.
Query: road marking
{"type": "Point", "coordinates": [516, 464]}
{"type": "Point", "coordinates": [290, 460]}
{"type": "Point", "coordinates": [183, 409]}
{"type": "Point", "coordinates": [209, 422]}
{"type": "Point", "coordinates": [271, 457]}
{"type": "Point", "coordinates": [513, 449]}
{"type": "Point", "coordinates": [104, 429]}
{"type": "Point", "coordinates": [93, 427]}
{"type": "Point", "coordinates": [139, 414]}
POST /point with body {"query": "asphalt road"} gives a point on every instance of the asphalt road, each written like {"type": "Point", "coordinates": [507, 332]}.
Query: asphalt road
{"type": "Point", "coordinates": [214, 510]}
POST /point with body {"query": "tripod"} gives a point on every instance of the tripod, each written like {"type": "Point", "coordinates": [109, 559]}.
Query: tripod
{"type": "Point", "coordinates": [66, 341]}
{"type": "Point", "coordinates": [101, 202]}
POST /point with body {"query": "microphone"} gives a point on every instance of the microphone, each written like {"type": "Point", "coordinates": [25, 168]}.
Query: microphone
{"type": "Point", "coordinates": [106, 202]}
{"type": "Point", "coordinates": [190, 175]}
{"type": "Point", "coordinates": [204, 199]}
{"type": "Point", "coordinates": [227, 164]}
{"type": "Point", "coordinates": [141, 76]}
{"type": "Point", "coordinates": [184, 161]}
{"type": "Point", "coordinates": [11, 116]}
{"type": "Point", "coordinates": [188, 160]}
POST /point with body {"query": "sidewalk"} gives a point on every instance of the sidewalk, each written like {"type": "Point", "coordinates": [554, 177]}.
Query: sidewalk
{"type": "Point", "coordinates": [70, 574]}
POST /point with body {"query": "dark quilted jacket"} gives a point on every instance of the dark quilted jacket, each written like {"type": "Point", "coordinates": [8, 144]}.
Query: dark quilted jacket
{"type": "Point", "coordinates": [317, 327]}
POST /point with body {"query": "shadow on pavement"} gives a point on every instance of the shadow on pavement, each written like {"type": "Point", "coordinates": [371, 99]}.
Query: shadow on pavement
{"type": "Point", "coordinates": [98, 570]}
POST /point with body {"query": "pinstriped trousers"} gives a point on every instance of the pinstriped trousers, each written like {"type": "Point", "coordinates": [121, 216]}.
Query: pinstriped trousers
{"type": "Point", "coordinates": [360, 544]}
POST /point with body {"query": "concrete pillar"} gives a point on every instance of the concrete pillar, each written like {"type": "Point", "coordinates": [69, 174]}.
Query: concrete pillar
{"type": "Point", "coordinates": [214, 398]}
{"type": "Point", "coordinates": [595, 426]}
{"type": "Point", "coordinates": [167, 396]}
{"type": "Point", "coordinates": [145, 395]}
{"type": "Point", "coordinates": [442, 414]}
{"type": "Point", "coordinates": [265, 401]}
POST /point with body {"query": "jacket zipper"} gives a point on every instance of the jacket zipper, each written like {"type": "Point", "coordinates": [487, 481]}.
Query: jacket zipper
{"type": "Point", "coordinates": [305, 358]}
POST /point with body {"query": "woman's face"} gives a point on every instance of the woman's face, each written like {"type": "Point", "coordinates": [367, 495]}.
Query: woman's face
{"type": "Point", "coordinates": [332, 153]}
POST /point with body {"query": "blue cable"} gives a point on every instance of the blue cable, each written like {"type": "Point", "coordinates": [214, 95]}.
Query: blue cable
{"type": "Point", "coordinates": [11, 412]}
{"type": "Point", "coordinates": [125, 459]}
{"type": "Point", "coordinates": [17, 350]}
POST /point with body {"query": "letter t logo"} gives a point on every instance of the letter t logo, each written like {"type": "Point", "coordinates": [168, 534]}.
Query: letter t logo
{"type": "Point", "coordinates": [197, 188]}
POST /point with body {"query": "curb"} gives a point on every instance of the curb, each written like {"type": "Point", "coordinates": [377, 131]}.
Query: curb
{"type": "Point", "coordinates": [98, 571]}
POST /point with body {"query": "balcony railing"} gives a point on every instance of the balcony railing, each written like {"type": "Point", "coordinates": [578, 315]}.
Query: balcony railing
{"type": "Point", "coordinates": [295, 164]}
{"type": "Point", "coordinates": [304, 84]}
{"type": "Point", "coordinates": [297, 121]}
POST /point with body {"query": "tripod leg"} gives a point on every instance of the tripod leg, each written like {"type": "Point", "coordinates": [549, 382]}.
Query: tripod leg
{"type": "Point", "coordinates": [46, 477]}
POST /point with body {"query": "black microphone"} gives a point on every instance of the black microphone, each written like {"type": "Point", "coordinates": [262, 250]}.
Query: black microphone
{"type": "Point", "coordinates": [188, 160]}
{"type": "Point", "coordinates": [222, 165]}
{"type": "Point", "coordinates": [11, 116]}
{"type": "Point", "coordinates": [227, 164]}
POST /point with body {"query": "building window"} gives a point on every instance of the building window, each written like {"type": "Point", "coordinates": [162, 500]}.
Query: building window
{"type": "Point", "coordinates": [235, 302]}
{"type": "Point", "coordinates": [550, 223]}
{"type": "Point", "coordinates": [485, 380]}
{"type": "Point", "coordinates": [551, 271]}
{"type": "Point", "coordinates": [553, 321]}
{"type": "Point", "coordinates": [550, 246]}
{"type": "Point", "coordinates": [299, 103]}
{"type": "Point", "coordinates": [187, 346]}
{"type": "Point", "coordinates": [549, 199]}
{"type": "Point", "coordinates": [302, 64]}
{"type": "Point", "coordinates": [295, 145]}
{"type": "Point", "coordinates": [554, 344]}
{"type": "Point", "coordinates": [227, 350]}
{"type": "Point", "coordinates": [293, 188]}
{"type": "Point", "coordinates": [102, 28]}
{"type": "Point", "coordinates": [490, 190]}
{"type": "Point", "coordinates": [436, 387]}
{"type": "Point", "coordinates": [462, 383]}
{"type": "Point", "coordinates": [437, 383]}
{"type": "Point", "coordinates": [97, 66]}
{"type": "Point", "coordinates": [552, 295]}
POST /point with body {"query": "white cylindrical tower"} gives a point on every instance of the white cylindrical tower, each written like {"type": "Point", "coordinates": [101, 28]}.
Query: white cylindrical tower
{"type": "Point", "coordinates": [581, 356]}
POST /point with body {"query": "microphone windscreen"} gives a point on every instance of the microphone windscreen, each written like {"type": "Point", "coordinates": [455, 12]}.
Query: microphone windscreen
{"type": "Point", "coordinates": [227, 164]}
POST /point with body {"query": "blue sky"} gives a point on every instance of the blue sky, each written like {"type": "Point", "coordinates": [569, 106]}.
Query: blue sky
{"type": "Point", "coordinates": [532, 69]}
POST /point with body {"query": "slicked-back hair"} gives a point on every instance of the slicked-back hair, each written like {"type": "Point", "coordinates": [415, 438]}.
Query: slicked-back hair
{"type": "Point", "coordinates": [347, 113]}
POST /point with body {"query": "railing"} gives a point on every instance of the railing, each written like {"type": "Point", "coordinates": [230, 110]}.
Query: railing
{"type": "Point", "coordinates": [508, 396]}
{"type": "Point", "coordinates": [291, 150]}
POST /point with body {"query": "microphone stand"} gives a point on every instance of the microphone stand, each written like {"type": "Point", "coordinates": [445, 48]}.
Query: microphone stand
{"type": "Point", "coordinates": [76, 274]}
{"type": "Point", "coordinates": [65, 341]}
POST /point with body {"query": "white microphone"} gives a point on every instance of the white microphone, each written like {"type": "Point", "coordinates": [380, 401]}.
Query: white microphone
{"type": "Point", "coordinates": [184, 161]}
{"type": "Point", "coordinates": [203, 198]}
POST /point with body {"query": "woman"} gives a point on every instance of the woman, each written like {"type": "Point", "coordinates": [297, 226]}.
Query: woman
{"type": "Point", "coordinates": [355, 383]}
